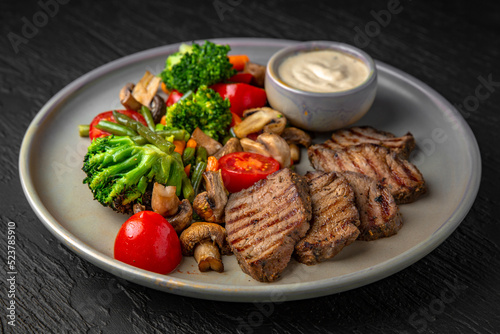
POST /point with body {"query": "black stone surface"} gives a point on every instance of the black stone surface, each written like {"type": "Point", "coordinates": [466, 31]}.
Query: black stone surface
{"type": "Point", "coordinates": [449, 46]}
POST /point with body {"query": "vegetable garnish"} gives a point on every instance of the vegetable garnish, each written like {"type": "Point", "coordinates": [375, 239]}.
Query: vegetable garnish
{"type": "Point", "coordinates": [108, 116]}
{"type": "Point", "coordinates": [238, 61]}
{"type": "Point", "coordinates": [204, 109]}
{"type": "Point", "coordinates": [148, 241]}
{"type": "Point", "coordinates": [242, 169]}
{"type": "Point", "coordinates": [242, 96]}
{"type": "Point", "coordinates": [196, 65]}
{"type": "Point", "coordinates": [119, 171]}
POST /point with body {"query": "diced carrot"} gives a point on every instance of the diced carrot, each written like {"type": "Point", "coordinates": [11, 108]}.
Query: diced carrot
{"type": "Point", "coordinates": [164, 88]}
{"type": "Point", "coordinates": [179, 146]}
{"type": "Point", "coordinates": [212, 164]}
{"type": "Point", "coordinates": [235, 120]}
{"type": "Point", "coordinates": [187, 170]}
{"type": "Point", "coordinates": [163, 120]}
{"type": "Point", "coordinates": [191, 143]}
{"type": "Point", "coordinates": [238, 61]}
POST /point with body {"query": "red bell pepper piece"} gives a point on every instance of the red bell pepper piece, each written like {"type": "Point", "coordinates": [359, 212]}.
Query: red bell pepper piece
{"type": "Point", "coordinates": [173, 97]}
{"type": "Point", "coordinates": [241, 77]}
{"type": "Point", "coordinates": [242, 96]}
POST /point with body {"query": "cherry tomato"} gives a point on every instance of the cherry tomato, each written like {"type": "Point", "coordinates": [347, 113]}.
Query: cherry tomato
{"type": "Point", "coordinates": [242, 169]}
{"type": "Point", "coordinates": [108, 116]}
{"type": "Point", "coordinates": [173, 97]}
{"type": "Point", "coordinates": [242, 96]}
{"type": "Point", "coordinates": [148, 241]}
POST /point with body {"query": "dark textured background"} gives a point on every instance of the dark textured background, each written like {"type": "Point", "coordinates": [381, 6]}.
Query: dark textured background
{"type": "Point", "coordinates": [455, 289]}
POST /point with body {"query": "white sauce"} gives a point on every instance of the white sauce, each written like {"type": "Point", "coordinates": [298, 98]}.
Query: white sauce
{"type": "Point", "coordinates": [323, 71]}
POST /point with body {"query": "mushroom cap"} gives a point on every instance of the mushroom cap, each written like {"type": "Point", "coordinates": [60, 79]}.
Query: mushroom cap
{"type": "Point", "coordinates": [200, 231]}
{"type": "Point", "coordinates": [260, 119]}
{"type": "Point", "coordinates": [126, 98]}
{"type": "Point", "coordinates": [294, 135]}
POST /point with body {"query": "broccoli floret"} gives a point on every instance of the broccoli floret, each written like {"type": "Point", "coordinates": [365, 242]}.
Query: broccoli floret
{"type": "Point", "coordinates": [120, 172]}
{"type": "Point", "coordinates": [197, 65]}
{"type": "Point", "coordinates": [205, 109]}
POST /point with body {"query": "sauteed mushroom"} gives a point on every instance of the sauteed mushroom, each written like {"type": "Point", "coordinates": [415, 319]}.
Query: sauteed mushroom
{"type": "Point", "coordinates": [183, 217]}
{"type": "Point", "coordinates": [260, 119]}
{"type": "Point", "coordinates": [296, 136]}
{"type": "Point", "coordinates": [232, 145]}
{"type": "Point", "coordinates": [158, 108]}
{"type": "Point", "coordinates": [164, 201]}
{"type": "Point", "coordinates": [206, 141]}
{"type": "Point", "coordinates": [206, 241]}
{"type": "Point", "coordinates": [126, 98]}
{"type": "Point", "coordinates": [210, 204]}
{"type": "Point", "coordinates": [269, 144]}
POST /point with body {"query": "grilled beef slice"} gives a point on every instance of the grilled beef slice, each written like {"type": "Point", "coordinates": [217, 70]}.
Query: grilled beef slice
{"type": "Point", "coordinates": [334, 218]}
{"type": "Point", "coordinates": [378, 212]}
{"type": "Point", "coordinates": [367, 135]}
{"type": "Point", "coordinates": [265, 221]}
{"type": "Point", "coordinates": [403, 179]}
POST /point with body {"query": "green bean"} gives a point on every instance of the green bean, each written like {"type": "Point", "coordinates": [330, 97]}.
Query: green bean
{"type": "Point", "coordinates": [187, 188]}
{"type": "Point", "coordinates": [179, 134]}
{"type": "Point", "coordinates": [140, 140]}
{"type": "Point", "coordinates": [175, 178]}
{"type": "Point", "coordinates": [197, 175]}
{"type": "Point", "coordinates": [115, 129]}
{"type": "Point", "coordinates": [83, 130]}
{"type": "Point", "coordinates": [146, 113]}
{"type": "Point", "coordinates": [201, 154]}
{"type": "Point", "coordinates": [155, 139]}
{"type": "Point", "coordinates": [166, 165]}
{"type": "Point", "coordinates": [145, 132]}
{"type": "Point", "coordinates": [188, 155]}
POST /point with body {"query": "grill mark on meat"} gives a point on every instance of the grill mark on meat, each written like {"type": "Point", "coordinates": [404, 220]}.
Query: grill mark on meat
{"type": "Point", "coordinates": [262, 213]}
{"type": "Point", "coordinates": [361, 135]}
{"type": "Point", "coordinates": [259, 239]}
{"type": "Point", "coordinates": [267, 225]}
{"type": "Point", "coordinates": [334, 220]}
{"type": "Point", "coordinates": [404, 180]}
{"type": "Point", "coordinates": [277, 216]}
{"type": "Point", "coordinates": [238, 208]}
{"type": "Point", "coordinates": [379, 214]}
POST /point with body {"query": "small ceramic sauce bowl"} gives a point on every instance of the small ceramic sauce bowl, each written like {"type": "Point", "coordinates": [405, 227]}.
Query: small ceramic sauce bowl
{"type": "Point", "coordinates": [320, 111]}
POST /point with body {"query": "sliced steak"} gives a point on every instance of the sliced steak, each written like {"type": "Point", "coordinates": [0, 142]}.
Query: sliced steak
{"type": "Point", "coordinates": [367, 135]}
{"type": "Point", "coordinates": [334, 218]}
{"type": "Point", "coordinates": [378, 212]}
{"type": "Point", "coordinates": [403, 179]}
{"type": "Point", "coordinates": [265, 221]}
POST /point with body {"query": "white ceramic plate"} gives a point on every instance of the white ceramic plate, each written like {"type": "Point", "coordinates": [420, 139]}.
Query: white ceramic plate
{"type": "Point", "coordinates": [447, 155]}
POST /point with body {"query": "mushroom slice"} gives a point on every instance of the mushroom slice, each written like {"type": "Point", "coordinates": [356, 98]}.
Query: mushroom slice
{"type": "Point", "coordinates": [158, 108]}
{"type": "Point", "coordinates": [146, 88]}
{"type": "Point", "coordinates": [126, 98]}
{"type": "Point", "coordinates": [206, 141]}
{"type": "Point", "coordinates": [183, 216]}
{"type": "Point", "coordinates": [254, 147]}
{"type": "Point", "coordinates": [277, 147]}
{"type": "Point", "coordinates": [294, 152]}
{"type": "Point", "coordinates": [138, 208]}
{"type": "Point", "coordinates": [210, 204]}
{"type": "Point", "coordinates": [206, 241]}
{"type": "Point", "coordinates": [260, 119]}
{"type": "Point", "coordinates": [164, 200]}
{"type": "Point", "coordinates": [232, 145]}
{"type": "Point", "coordinates": [257, 71]}
{"type": "Point", "coordinates": [296, 136]}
